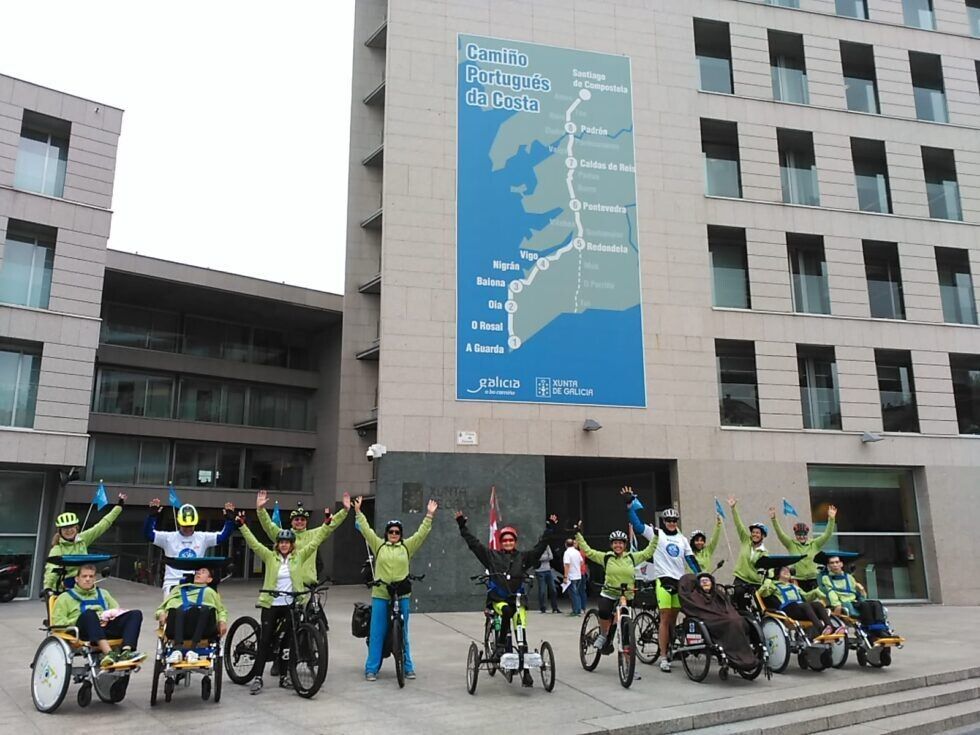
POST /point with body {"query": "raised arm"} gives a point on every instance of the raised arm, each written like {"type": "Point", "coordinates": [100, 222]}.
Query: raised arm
{"type": "Point", "coordinates": [413, 542]}
{"type": "Point", "coordinates": [264, 553]}
{"type": "Point", "coordinates": [647, 553]}
{"type": "Point", "coordinates": [229, 528]}
{"type": "Point", "coordinates": [318, 535]}
{"type": "Point", "coordinates": [533, 557]}
{"type": "Point", "coordinates": [788, 542]}
{"type": "Point", "coordinates": [824, 537]}
{"type": "Point", "coordinates": [588, 552]}
{"type": "Point", "coordinates": [715, 537]}
{"type": "Point", "coordinates": [87, 537]}
{"type": "Point", "coordinates": [740, 529]}
{"type": "Point", "coordinates": [373, 541]}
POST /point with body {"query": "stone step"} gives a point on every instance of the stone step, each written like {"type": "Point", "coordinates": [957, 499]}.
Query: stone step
{"type": "Point", "coordinates": [925, 722]}
{"type": "Point", "coordinates": [855, 711]}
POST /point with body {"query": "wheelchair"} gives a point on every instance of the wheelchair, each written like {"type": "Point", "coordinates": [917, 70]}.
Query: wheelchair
{"type": "Point", "coordinates": [63, 658]}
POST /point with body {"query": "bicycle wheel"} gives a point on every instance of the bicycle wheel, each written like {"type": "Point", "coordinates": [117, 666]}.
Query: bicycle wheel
{"type": "Point", "coordinates": [320, 621]}
{"type": "Point", "coordinates": [696, 664]}
{"type": "Point", "coordinates": [588, 654]}
{"type": "Point", "coordinates": [472, 668]}
{"type": "Point", "coordinates": [547, 667]}
{"type": "Point", "coordinates": [488, 645]}
{"type": "Point", "coordinates": [647, 627]}
{"type": "Point", "coordinates": [627, 652]}
{"type": "Point", "coordinates": [218, 665]}
{"type": "Point", "coordinates": [241, 647]}
{"type": "Point", "coordinates": [306, 660]}
{"type": "Point", "coordinates": [398, 649]}
{"type": "Point", "coordinates": [155, 685]}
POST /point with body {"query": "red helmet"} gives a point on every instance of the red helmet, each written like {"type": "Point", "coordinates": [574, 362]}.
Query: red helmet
{"type": "Point", "coordinates": [801, 529]}
{"type": "Point", "coordinates": [507, 530]}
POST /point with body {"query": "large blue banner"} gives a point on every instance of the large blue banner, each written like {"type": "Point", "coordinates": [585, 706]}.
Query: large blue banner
{"type": "Point", "coordinates": [548, 265]}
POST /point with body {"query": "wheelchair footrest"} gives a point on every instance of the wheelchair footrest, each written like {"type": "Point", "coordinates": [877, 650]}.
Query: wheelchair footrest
{"type": "Point", "coordinates": [122, 666]}
{"type": "Point", "coordinates": [204, 663]}
{"type": "Point", "coordinates": [889, 641]}
{"type": "Point", "coordinates": [828, 638]}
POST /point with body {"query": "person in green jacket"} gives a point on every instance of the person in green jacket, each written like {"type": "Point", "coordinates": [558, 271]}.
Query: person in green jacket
{"type": "Point", "coordinates": [69, 541]}
{"type": "Point", "coordinates": [805, 568]}
{"type": "Point", "coordinates": [752, 546]}
{"type": "Point", "coordinates": [847, 596]}
{"type": "Point", "coordinates": [620, 568]}
{"type": "Point", "coordinates": [195, 605]}
{"type": "Point", "coordinates": [704, 549]}
{"type": "Point", "coordinates": [783, 595]}
{"type": "Point", "coordinates": [98, 618]}
{"type": "Point", "coordinates": [284, 571]}
{"type": "Point", "coordinates": [391, 564]}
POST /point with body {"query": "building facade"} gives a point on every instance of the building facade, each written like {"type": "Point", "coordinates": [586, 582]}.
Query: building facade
{"type": "Point", "coordinates": [807, 212]}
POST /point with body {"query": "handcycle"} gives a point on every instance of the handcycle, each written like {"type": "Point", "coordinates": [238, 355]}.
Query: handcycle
{"type": "Point", "coordinates": [520, 659]}
{"type": "Point", "coordinates": [620, 639]}
{"type": "Point", "coordinates": [63, 658]}
{"type": "Point", "coordinates": [395, 637]}
{"type": "Point", "coordinates": [298, 647]}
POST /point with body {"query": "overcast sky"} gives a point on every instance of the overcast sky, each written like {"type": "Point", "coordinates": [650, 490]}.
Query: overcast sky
{"type": "Point", "coordinates": [233, 152]}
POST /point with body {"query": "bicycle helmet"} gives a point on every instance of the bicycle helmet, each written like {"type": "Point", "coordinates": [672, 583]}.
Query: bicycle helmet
{"type": "Point", "coordinates": [670, 514]}
{"type": "Point", "coordinates": [762, 527]}
{"type": "Point", "coordinates": [698, 532]}
{"type": "Point", "coordinates": [286, 534]}
{"type": "Point", "coordinates": [619, 536]}
{"type": "Point", "coordinates": [507, 531]}
{"type": "Point", "coordinates": [65, 520]}
{"type": "Point", "coordinates": [394, 524]}
{"type": "Point", "coordinates": [300, 512]}
{"type": "Point", "coordinates": [801, 529]}
{"type": "Point", "coordinates": [187, 515]}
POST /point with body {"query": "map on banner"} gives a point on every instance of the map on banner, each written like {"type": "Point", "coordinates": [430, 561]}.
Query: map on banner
{"type": "Point", "coordinates": [548, 265]}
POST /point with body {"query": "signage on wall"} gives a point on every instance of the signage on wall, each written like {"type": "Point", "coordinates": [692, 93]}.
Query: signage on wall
{"type": "Point", "coordinates": [548, 267]}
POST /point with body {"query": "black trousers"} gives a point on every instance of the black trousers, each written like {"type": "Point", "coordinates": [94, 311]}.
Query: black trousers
{"type": "Point", "coordinates": [743, 594]}
{"type": "Point", "coordinates": [813, 611]}
{"type": "Point", "coordinates": [201, 620]}
{"type": "Point", "coordinates": [270, 621]}
{"type": "Point", "coordinates": [807, 585]}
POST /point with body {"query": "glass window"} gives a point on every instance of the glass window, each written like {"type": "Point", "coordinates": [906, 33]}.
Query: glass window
{"type": "Point", "coordinates": [729, 267]}
{"type": "Point", "coordinates": [133, 326]}
{"type": "Point", "coordinates": [787, 64]}
{"type": "Point", "coordinates": [42, 157]}
{"type": "Point", "coordinates": [738, 387]}
{"type": "Point", "coordinates": [965, 371]}
{"type": "Point", "coordinates": [719, 142]}
{"type": "Point", "coordinates": [880, 521]}
{"type": "Point", "coordinates": [128, 460]}
{"type": "Point", "coordinates": [28, 259]}
{"type": "Point", "coordinates": [884, 276]}
{"type": "Point", "coordinates": [784, 3]}
{"type": "Point", "coordinates": [20, 371]}
{"type": "Point", "coordinates": [798, 167]}
{"type": "Point", "coordinates": [853, 8]}
{"type": "Point", "coordinates": [928, 87]}
{"type": "Point", "coordinates": [134, 394]}
{"type": "Point", "coordinates": [860, 77]}
{"type": "Point", "coordinates": [896, 389]}
{"type": "Point", "coordinates": [275, 468]}
{"type": "Point", "coordinates": [207, 465]}
{"type": "Point", "coordinates": [712, 44]}
{"type": "Point", "coordinates": [956, 286]}
{"type": "Point", "coordinates": [918, 14]}
{"type": "Point", "coordinates": [268, 347]}
{"type": "Point", "coordinates": [20, 497]}
{"type": "Point", "coordinates": [205, 400]}
{"type": "Point", "coordinates": [973, 17]}
{"type": "Point", "coordinates": [942, 188]}
{"type": "Point", "coordinates": [818, 387]}
{"type": "Point", "coordinates": [808, 274]}
{"type": "Point", "coordinates": [871, 175]}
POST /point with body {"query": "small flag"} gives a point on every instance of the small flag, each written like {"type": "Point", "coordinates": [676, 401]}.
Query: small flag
{"type": "Point", "coordinates": [789, 510]}
{"type": "Point", "coordinates": [275, 514]}
{"type": "Point", "coordinates": [101, 499]}
{"type": "Point", "coordinates": [174, 500]}
{"type": "Point", "coordinates": [636, 505]}
{"type": "Point", "coordinates": [494, 542]}
{"type": "Point", "coordinates": [718, 509]}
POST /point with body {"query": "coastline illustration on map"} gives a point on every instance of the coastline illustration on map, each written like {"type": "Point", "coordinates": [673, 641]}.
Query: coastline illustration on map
{"type": "Point", "coordinates": [548, 276]}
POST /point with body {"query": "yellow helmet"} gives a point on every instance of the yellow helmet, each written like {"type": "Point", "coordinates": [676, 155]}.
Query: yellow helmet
{"type": "Point", "coordinates": [65, 520]}
{"type": "Point", "coordinates": [187, 515]}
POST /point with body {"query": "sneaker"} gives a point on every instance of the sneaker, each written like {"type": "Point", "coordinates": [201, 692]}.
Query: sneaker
{"type": "Point", "coordinates": [556, 611]}
{"type": "Point", "coordinates": [841, 629]}
{"type": "Point", "coordinates": [370, 677]}
{"type": "Point", "coordinates": [130, 656]}
{"type": "Point", "coordinates": [600, 641]}
{"type": "Point", "coordinates": [827, 630]}
{"type": "Point", "coordinates": [256, 686]}
{"type": "Point", "coordinates": [109, 659]}
{"type": "Point", "coordinates": [409, 674]}
{"type": "Point", "coordinates": [175, 658]}
{"type": "Point", "coordinates": [285, 682]}
{"type": "Point", "coordinates": [191, 657]}
{"type": "Point", "coordinates": [665, 665]}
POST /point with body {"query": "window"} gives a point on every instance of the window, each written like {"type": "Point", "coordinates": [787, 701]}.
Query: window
{"type": "Point", "coordinates": [787, 64]}
{"type": "Point", "coordinates": [973, 17]}
{"type": "Point", "coordinates": [712, 44]}
{"type": "Point", "coordinates": [808, 274]}
{"type": "Point", "coordinates": [956, 286]}
{"type": "Point", "coordinates": [798, 167]}
{"type": "Point", "coordinates": [252, 405]}
{"type": "Point", "coordinates": [133, 326]}
{"type": "Point", "coordinates": [274, 468]}
{"type": "Point", "coordinates": [134, 394]}
{"type": "Point", "coordinates": [729, 267]}
{"type": "Point", "coordinates": [853, 8]}
{"type": "Point", "coordinates": [871, 175]}
{"type": "Point", "coordinates": [860, 78]}
{"type": "Point", "coordinates": [784, 3]}
{"type": "Point", "coordinates": [205, 400]}
{"type": "Point", "coordinates": [896, 390]}
{"type": "Point", "coordinates": [277, 408]}
{"type": "Point", "coordinates": [207, 465]}
{"type": "Point", "coordinates": [129, 460]}
{"type": "Point", "coordinates": [20, 496]}
{"type": "Point", "coordinates": [719, 142]}
{"type": "Point", "coordinates": [881, 523]}
{"type": "Point", "coordinates": [28, 259]}
{"type": "Point", "coordinates": [965, 370]}
{"type": "Point", "coordinates": [42, 157]}
{"type": "Point", "coordinates": [942, 189]}
{"type": "Point", "coordinates": [918, 14]}
{"type": "Point", "coordinates": [20, 371]}
{"type": "Point", "coordinates": [738, 388]}
{"type": "Point", "coordinates": [928, 87]}
{"type": "Point", "coordinates": [884, 280]}
{"type": "Point", "coordinates": [229, 341]}
{"type": "Point", "coordinates": [818, 387]}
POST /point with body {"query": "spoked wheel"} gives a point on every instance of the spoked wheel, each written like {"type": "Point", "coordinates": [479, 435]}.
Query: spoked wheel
{"type": "Point", "coordinates": [547, 667]}
{"type": "Point", "coordinates": [627, 653]}
{"type": "Point", "coordinates": [647, 627]}
{"type": "Point", "coordinates": [320, 621]}
{"type": "Point", "coordinates": [51, 674]}
{"type": "Point", "coordinates": [587, 652]}
{"type": "Point", "coordinates": [697, 664]}
{"type": "Point", "coordinates": [241, 646]}
{"type": "Point", "coordinates": [488, 646]}
{"type": "Point", "coordinates": [155, 685]}
{"type": "Point", "coordinates": [778, 644]}
{"type": "Point", "coordinates": [307, 663]}
{"type": "Point", "coordinates": [398, 651]}
{"type": "Point", "coordinates": [472, 668]}
{"type": "Point", "coordinates": [218, 666]}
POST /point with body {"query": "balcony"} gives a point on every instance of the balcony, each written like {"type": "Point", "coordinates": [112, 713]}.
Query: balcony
{"type": "Point", "coordinates": [365, 425]}
{"type": "Point", "coordinates": [373, 220]}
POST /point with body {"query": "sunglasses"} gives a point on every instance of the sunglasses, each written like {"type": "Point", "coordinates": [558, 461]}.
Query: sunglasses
{"type": "Point", "coordinates": [394, 531]}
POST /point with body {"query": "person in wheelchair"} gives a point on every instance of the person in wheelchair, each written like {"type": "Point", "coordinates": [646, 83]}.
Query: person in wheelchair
{"type": "Point", "coordinates": [846, 596]}
{"type": "Point", "coordinates": [784, 595]}
{"type": "Point", "coordinates": [194, 606]}
{"type": "Point", "coordinates": [703, 599]}
{"type": "Point", "coordinates": [98, 618]}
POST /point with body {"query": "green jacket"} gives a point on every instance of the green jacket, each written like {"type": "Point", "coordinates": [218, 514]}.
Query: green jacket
{"type": "Point", "coordinates": [78, 546]}
{"type": "Point", "coordinates": [67, 608]}
{"type": "Point", "coordinates": [211, 599]}
{"type": "Point", "coordinates": [705, 557]}
{"type": "Point", "coordinates": [302, 538]}
{"type": "Point", "coordinates": [840, 589]}
{"type": "Point", "coordinates": [778, 590]}
{"type": "Point", "coordinates": [391, 560]}
{"type": "Point", "coordinates": [273, 560]}
{"type": "Point", "coordinates": [805, 568]}
{"type": "Point", "coordinates": [620, 570]}
{"type": "Point", "coordinates": [748, 554]}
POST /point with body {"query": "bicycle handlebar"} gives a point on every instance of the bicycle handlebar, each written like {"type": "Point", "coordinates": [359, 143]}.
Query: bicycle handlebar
{"type": "Point", "coordinates": [412, 577]}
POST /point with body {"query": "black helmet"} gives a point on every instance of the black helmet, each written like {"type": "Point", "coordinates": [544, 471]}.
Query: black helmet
{"type": "Point", "coordinates": [394, 523]}
{"type": "Point", "coordinates": [286, 534]}
{"type": "Point", "coordinates": [300, 512]}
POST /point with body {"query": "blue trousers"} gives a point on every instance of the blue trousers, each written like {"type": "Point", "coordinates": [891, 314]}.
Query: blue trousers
{"type": "Point", "coordinates": [546, 584]}
{"type": "Point", "coordinates": [126, 626]}
{"type": "Point", "coordinates": [576, 591]}
{"type": "Point", "coordinates": [379, 629]}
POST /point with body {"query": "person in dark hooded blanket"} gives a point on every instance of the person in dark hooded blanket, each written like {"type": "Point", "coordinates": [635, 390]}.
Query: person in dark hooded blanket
{"type": "Point", "coordinates": [703, 599]}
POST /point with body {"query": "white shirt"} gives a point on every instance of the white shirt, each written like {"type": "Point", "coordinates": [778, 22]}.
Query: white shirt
{"type": "Point", "coordinates": [668, 559]}
{"type": "Point", "coordinates": [178, 546]}
{"type": "Point", "coordinates": [573, 560]}
{"type": "Point", "coordinates": [284, 583]}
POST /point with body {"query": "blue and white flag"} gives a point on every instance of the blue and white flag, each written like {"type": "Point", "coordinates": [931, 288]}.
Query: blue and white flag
{"type": "Point", "coordinates": [789, 510]}
{"type": "Point", "coordinates": [718, 509]}
{"type": "Point", "coordinates": [275, 514]}
{"type": "Point", "coordinates": [101, 499]}
{"type": "Point", "coordinates": [174, 500]}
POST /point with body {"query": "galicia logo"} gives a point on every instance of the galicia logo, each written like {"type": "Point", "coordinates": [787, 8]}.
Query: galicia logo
{"type": "Point", "coordinates": [187, 554]}
{"type": "Point", "coordinates": [673, 550]}
{"type": "Point", "coordinates": [496, 383]}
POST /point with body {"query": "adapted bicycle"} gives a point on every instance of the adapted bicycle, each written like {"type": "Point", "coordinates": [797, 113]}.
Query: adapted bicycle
{"type": "Point", "coordinates": [518, 657]}
{"type": "Point", "coordinates": [621, 638]}
{"type": "Point", "coordinates": [395, 638]}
